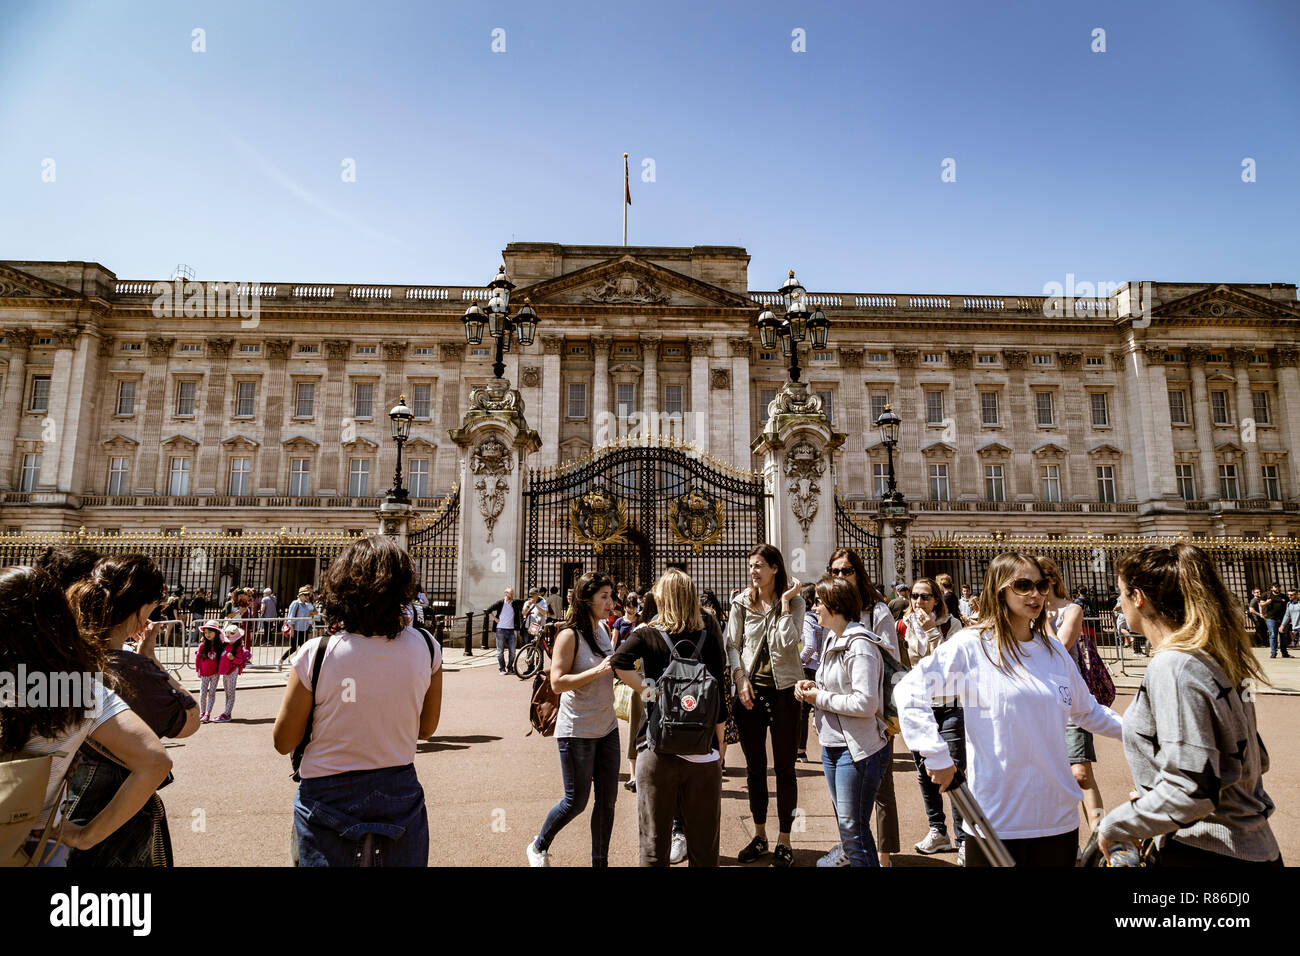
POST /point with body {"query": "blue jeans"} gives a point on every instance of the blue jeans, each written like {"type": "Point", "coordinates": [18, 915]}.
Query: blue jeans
{"type": "Point", "coordinates": [505, 638]}
{"type": "Point", "coordinates": [584, 761]}
{"type": "Point", "coordinates": [1273, 642]}
{"type": "Point", "coordinates": [853, 786]}
{"type": "Point", "coordinates": [362, 818]}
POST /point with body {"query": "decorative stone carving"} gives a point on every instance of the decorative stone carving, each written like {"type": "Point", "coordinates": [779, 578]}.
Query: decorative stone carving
{"type": "Point", "coordinates": [960, 358]}
{"type": "Point", "coordinates": [490, 493]}
{"type": "Point", "coordinates": [1070, 361]}
{"type": "Point", "coordinates": [496, 396]}
{"type": "Point", "coordinates": [159, 346]}
{"type": "Point", "coordinates": [628, 288]}
{"type": "Point", "coordinates": [12, 290]}
{"type": "Point", "coordinates": [900, 549]}
{"type": "Point", "coordinates": [1154, 354]}
{"type": "Point", "coordinates": [220, 348]}
{"type": "Point", "coordinates": [106, 343]}
{"type": "Point", "coordinates": [720, 378]}
{"type": "Point", "coordinates": [1239, 356]}
{"type": "Point", "coordinates": [67, 337]}
{"type": "Point", "coordinates": [906, 358]}
{"type": "Point", "coordinates": [852, 358]}
{"type": "Point", "coordinates": [1118, 360]}
{"type": "Point", "coordinates": [336, 350]}
{"type": "Point", "coordinates": [553, 344]}
{"type": "Point", "coordinates": [700, 346]}
{"type": "Point", "coordinates": [804, 466]}
{"type": "Point", "coordinates": [1284, 356]}
{"type": "Point", "coordinates": [278, 348]}
{"type": "Point", "coordinates": [530, 376]}
{"type": "Point", "coordinates": [741, 348]}
{"type": "Point", "coordinates": [19, 338]}
{"type": "Point", "coordinates": [1220, 310]}
{"type": "Point", "coordinates": [794, 398]}
{"type": "Point", "coordinates": [393, 351]}
{"type": "Point", "coordinates": [1015, 358]}
{"type": "Point", "coordinates": [491, 457]}
{"type": "Point", "coordinates": [600, 345]}
{"type": "Point", "coordinates": [451, 351]}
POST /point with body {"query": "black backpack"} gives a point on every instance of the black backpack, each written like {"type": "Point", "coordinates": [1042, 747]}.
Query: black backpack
{"type": "Point", "coordinates": [685, 716]}
{"type": "Point", "coordinates": [893, 671]}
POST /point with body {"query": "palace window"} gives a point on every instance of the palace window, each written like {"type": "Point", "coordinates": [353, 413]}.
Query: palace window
{"type": "Point", "coordinates": [880, 479]}
{"type": "Point", "coordinates": [577, 350]}
{"type": "Point", "coordinates": [309, 350]}
{"type": "Point", "coordinates": [1095, 361]}
{"type": "Point", "coordinates": [987, 360]}
{"type": "Point", "coordinates": [419, 477]}
{"type": "Point", "coordinates": [670, 351]}
{"type": "Point", "coordinates": [932, 358]}
{"type": "Point", "coordinates": [1106, 483]}
{"type": "Point", "coordinates": [240, 473]}
{"type": "Point", "coordinates": [767, 356]}
{"type": "Point", "coordinates": [988, 408]}
{"type": "Point", "coordinates": [1042, 360]}
{"type": "Point", "coordinates": [299, 477]}
{"type": "Point", "coordinates": [1186, 482]}
{"type": "Point", "coordinates": [877, 357]}
{"type": "Point", "coordinates": [1177, 407]}
{"type": "Point", "coordinates": [1100, 409]}
{"type": "Point", "coordinates": [624, 399]}
{"type": "Point", "coordinates": [480, 353]}
{"type": "Point", "coordinates": [422, 400]}
{"type": "Point", "coordinates": [878, 402]}
{"type": "Point", "coordinates": [1051, 475]}
{"type": "Point", "coordinates": [185, 392]}
{"type": "Point", "coordinates": [994, 484]}
{"type": "Point", "coordinates": [938, 482]}
{"type": "Point", "coordinates": [191, 348]}
{"type": "Point", "coordinates": [1272, 482]}
{"type": "Point", "coordinates": [1260, 405]}
{"type": "Point", "coordinates": [934, 408]}
{"type": "Point", "coordinates": [125, 398]}
{"type": "Point", "coordinates": [766, 396]}
{"type": "Point", "coordinates": [1216, 357]}
{"type": "Point", "coordinates": [823, 356]}
{"type": "Point", "coordinates": [627, 350]}
{"type": "Point", "coordinates": [1228, 482]}
{"type": "Point", "coordinates": [31, 472]}
{"type": "Point", "coordinates": [40, 397]}
{"type": "Point", "coordinates": [132, 346]}
{"type": "Point", "coordinates": [367, 349]}
{"type": "Point", "coordinates": [245, 393]}
{"type": "Point", "coordinates": [359, 478]}
{"type": "Point", "coordinates": [1043, 408]}
{"type": "Point", "coordinates": [423, 350]}
{"type": "Point", "coordinates": [363, 400]}
{"type": "Point", "coordinates": [1219, 408]}
{"type": "Point", "coordinates": [305, 400]}
{"type": "Point", "coordinates": [828, 406]}
{"type": "Point", "coordinates": [1258, 358]}
{"type": "Point", "coordinates": [250, 349]}
{"type": "Point", "coordinates": [117, 476]}
{"type": "Point", "coordinates": [577, 400]}
{"type": "Point", "coordinates": [673, 399]}
{"type": "Point", "coordinates": [178, 477]}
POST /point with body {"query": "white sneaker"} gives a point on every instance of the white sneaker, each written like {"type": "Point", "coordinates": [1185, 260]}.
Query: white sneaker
{"type": "Point", "coordinates": [934, 842]}
{"type": "Point", "coordinates": [961, 853]}
{"type": "Point", "coordinates": [678, 851]}
{"type": "Point", "coordinates": [837, 857]}
{"type": "Point", "coordinates": [537, 857]}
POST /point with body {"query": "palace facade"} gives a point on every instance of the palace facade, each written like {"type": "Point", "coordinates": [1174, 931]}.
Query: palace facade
{"type": "Point", "coordinates": [131, 404]}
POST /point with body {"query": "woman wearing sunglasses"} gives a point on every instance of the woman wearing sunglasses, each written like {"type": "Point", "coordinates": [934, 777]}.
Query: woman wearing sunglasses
{"type": "Point", "coordinates": [1018, 688]}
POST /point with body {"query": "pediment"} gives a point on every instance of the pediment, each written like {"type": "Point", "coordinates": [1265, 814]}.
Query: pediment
{"type": "Point", "coordinates": [1228, 446]}
{"type": "Point", "coordinates": [120, 439]}
{"type": "Point", "coordinates": [1105, 448]}
{"type": "Point", "coordinates": [1225, 305]}
{"type": "Point", "coordinates": [420, 444]}
{"type": "Point", "coordinates": [628, 280]}
{"type": "Point", "coordinates": [16, 284]}
{"type": "Point", "coordinates": [938, 448]}
{"type": "Point", "coordinates": [360, 442]}
{"type": "Point", "coordinates": [992, 448]}
{"type": "Point", "coordinates": [1049, 450]}
{"type": "Point", "coordinates": [299, 441]}
{"type": "Point", "coordinates": [235, 440]}
{"type": "Point", "coordinates": [180, 439]}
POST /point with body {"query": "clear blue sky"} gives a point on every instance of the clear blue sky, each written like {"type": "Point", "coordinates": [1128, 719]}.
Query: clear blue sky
{"type": "Point", "coordinates": [1111, 166]}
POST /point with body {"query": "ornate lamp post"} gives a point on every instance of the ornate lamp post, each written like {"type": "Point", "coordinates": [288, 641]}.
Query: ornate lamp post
{"type": "Point", "coordinates": [891, 502]}
{"type": "Point", "coordinates": [401, 416]}
{"type": "Point", "coordinates": [499, 322]}
{"type": "Point", "coordinates": [796, 324]}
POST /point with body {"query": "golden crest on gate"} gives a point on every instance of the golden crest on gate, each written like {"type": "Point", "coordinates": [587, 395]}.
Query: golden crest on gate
{"type": "Point", "coordinates": [598, 519]}
{"type": "Point", "coordinates": [697, 519]}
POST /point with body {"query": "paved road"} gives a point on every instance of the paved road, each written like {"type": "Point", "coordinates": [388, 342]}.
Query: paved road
{"type": "Point", "coordinates": [489, 786]}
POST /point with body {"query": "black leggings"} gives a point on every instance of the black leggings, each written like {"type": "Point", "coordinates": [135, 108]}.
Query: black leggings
{"type": "Point", "coordinates": [779, 710]}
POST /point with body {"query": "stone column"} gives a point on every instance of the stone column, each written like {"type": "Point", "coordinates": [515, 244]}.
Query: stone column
{"type": "Point", "coordinates": [207, 473]}
{"type": "Point", "coordinates": [451, 355]}
{"type": "Point", "coordinates": [895, 549]}
{"type": "Point", "coordinates": [1022, 462]}
{"type": "Point", "coordinates": [741, 423]}
{"type": "Point", "coordinates": [59, 428]}
{"type": "Point", "coordinates": [11, 415]}
{"type": "Point", "coordinates": [1288, 400]}
{"type": "Point", "coordinates": [148, 480]}
{"type": "Point", "coordinates": [1246, 410]}
{"type": "Point", "coordinates": [395, 519]}
{"type": "Point", "coordinates": [331, 453]}
{"type": "Point", "coordinates": [393, 388]}
{"type": "Point", "coordinates": [650, 382]}
{"type": "Point", "coordinates": [1158, 433]}
{"type": "Point", "coordinates": [496, 441]}
{"type": "Point", "coordinates": [698, 431]}
{"type": "Point", "coordinates": [553, 398]}
{"type": "Point", "coordinates": [906, 405]}
{"type": "Point", "coordinates": [272, 471]}
{"type": "Point", "coordinates": [966, 484]}
{"type": "Point", "coordinates": [1208, 480]}
{"type": "Point", "coordinates": [603, 427]}
{"type": "Point", "coordinates": [79, 431]}
{"type": "Point", "coordinates": [796, 446]}
{"type": "Point", "coordinates": [1077, 483]}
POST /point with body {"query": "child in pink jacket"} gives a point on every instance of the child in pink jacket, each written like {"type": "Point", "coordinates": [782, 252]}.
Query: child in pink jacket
{"type": "Point", "coordinates": [207, 662]}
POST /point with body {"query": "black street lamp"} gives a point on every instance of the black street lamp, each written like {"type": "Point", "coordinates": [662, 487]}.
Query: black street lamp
{"type": "Point", "coordinates": [796, 324]}
{"type": "Point", "coordinates": [500, 323]}
{"type": "Point", "coordinates": [892, 500]}
{"type": "Point", "coordinates": [401, 416]}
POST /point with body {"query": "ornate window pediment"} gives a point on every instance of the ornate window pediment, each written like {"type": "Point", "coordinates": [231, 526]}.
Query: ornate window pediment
{"type": "Point", "coordinates": [120, 441]}
{"type": "Point", "coordinates": [1105, 451]}
{"type": "Point", "coordinates": [993, 449]}
{"type": "Point", "coordinates": [180, 441]}
{"type": "Point", "coordinates": [573, 448]}
{"type": "Point", "coordinates": [1049, 450]}
{"type": "Point", "coordinates": [1228, 448]}
{"type": "Point", "coordinates": [300, 443]}
{"type": "Point", "coordinates": [938, 449]}
{"type": "Point", "coordinates": [360, 442]}
{"type": "Point", "coordinates": [240, 441]}
{"type": "Point", "coordinates": [420, 445]}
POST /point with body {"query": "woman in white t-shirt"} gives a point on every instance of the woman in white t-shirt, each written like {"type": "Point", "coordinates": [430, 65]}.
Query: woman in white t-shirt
{"type": "Point", "coordinates": [41, 637]}
{"type": "Point", "coordinates": [1018, 688]}
{"type": "Point", "coordinates": [379, 691]}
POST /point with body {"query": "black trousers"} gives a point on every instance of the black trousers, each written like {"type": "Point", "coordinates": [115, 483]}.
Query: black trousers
{"type": "Point", "coordinates": [1181, 856]}
{"type": "Point", "coordinates": [778, 710]}
{"type": "Point", "coordinates": [1046, 852]}
{"type": "Point", "coordinates": [805, 711]}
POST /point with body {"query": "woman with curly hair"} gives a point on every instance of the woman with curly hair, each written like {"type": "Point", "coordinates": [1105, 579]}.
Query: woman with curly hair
{"type": "Point", "coordinates": [367, 693]}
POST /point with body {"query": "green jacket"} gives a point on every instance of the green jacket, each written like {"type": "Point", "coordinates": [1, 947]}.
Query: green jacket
{"type": "Point", "coordinates": [748, 628]}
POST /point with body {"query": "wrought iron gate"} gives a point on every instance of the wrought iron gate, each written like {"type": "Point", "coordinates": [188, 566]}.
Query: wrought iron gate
{"type": "Point", "coordinates": [862, 539]}
{"type": "Point", "coordinates": [434, 543]}
{"type": "Point", "coordinates": [633, 510]}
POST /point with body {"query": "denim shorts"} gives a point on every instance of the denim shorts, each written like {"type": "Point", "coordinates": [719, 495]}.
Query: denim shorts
{"type": "Point", "coordinates": [1078, 745]}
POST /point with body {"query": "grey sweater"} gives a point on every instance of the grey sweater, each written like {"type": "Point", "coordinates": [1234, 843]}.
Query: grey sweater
{"type": "Point", "coordinates": [1197, 761]}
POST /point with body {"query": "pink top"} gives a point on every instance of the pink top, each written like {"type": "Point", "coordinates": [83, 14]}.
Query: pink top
{"type": "Point", "coordinates": [205, 659]}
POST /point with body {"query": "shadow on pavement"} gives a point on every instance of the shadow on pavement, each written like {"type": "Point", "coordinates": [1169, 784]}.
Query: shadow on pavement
{"type": "Point", "coordinates": [437, 744]}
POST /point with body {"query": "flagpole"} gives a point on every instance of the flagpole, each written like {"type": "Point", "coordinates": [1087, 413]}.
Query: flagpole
{"type": "Point", "coordinates": [627, 192]}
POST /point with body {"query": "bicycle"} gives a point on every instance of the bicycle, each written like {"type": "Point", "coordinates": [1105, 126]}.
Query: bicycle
{"type": "Point", "coordinates": [530, 658]}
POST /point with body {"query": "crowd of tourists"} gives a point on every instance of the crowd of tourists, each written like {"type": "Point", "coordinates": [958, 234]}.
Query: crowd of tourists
{"type": "Point", "coordinates": [999, 687]}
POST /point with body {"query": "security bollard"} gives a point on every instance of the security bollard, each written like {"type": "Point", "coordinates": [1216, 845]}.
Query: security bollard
{"type": "Point", "coordinates": [469, 634]}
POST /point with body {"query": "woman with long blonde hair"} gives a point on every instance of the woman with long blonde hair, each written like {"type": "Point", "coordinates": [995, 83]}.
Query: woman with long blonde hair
{"type": "Point", "coordinates": [1190, 735]}
{"type": "Point", "coordinates": [1018, 688]}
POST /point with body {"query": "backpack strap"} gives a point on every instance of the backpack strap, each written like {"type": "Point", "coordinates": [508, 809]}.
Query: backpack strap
{"type": "Point", "coordinates": [317, 660]}
{"type": "Point", "coordinates": [428, 640]}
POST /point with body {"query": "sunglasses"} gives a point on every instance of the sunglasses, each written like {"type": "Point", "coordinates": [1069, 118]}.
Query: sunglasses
{"type": "Point", "coordinates": [924, 597]}
{"type": "Point", "coordinates": [1025, 587]}
{"type": "Point", "coordinates": [842, 572]}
